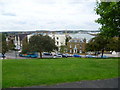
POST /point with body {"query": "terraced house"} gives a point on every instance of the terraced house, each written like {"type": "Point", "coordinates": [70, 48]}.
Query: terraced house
{"type": "Point", "coordinates": [76, 45]}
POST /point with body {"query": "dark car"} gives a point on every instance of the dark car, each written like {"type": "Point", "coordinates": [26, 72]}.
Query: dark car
{"type": "Point", "coordinates": [47, 54]}
{"type": "Point", "coordinates": [2, 56]}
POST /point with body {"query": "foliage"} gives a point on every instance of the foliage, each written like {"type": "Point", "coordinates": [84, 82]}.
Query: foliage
{"type": "Point", "coordinates": [67, 39]}
{"type": "Point", "coordinates": [63, 49]}
{"type": "Point", "coordinates": [11, 45]}
{"type": "Point", "coordinates": [40, 43]}
{"type": "Point", "coordinates": [113, 44]}
{"type": "Point", "coordinates": [101, 43]}
{"type": "Point", "coordinates": [4, 45]}
{"type": "Point", "coordinates": [25, 46]}
{"type": "Point", "coordinates": [109, 18]}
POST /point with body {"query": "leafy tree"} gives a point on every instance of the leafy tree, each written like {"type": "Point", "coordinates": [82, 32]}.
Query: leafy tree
{"type": "Point", "coordinates": [11, 45]}
{"type": "Point", "coordinates": [4, 45]}
{"type": "Point", "coordinates": [102, 43]}
{"type": "Point", "coordinates": [67, 39]}
{"type": "Point", "coordinates": [41, 43]}
{"type": "Point", "coordinates": [112, 44]}
{"type": "Point", "coordinates": [25, 46]}
{"type": "Point", "coordinates": [109, 18]}
{"type": "Point", "coordinates": [63, 49]}
{"type": "Point", "coordinates": [98, 43]}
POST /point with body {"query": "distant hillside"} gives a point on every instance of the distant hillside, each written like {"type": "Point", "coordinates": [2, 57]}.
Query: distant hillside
{"type": "Point", "coordinates": [57, 31]}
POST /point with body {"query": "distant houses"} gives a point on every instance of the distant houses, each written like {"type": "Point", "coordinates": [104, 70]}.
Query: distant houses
{"type": "Point", "coordinates": [76, 45]}
{"type": "Point", "coordinates": [18, 40]}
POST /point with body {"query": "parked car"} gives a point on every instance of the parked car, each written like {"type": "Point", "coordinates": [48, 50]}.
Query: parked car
{"type": "Point", "coordinates": [90, 56]}
{"type": "Point", "coordinates": [47, 54]}
{"type": "Point", "coordinates": [29, 55]}
{"type": "Point", "coordinates": [62, 55]}
{"type": "Point", "coordinates": [76, 55]}
{"type": "Point", "coordinates": [57, 56]}
{"type": "Point", "coordinates": [69, 55]}
{"type": "Point", "coordinates": [1, 56]}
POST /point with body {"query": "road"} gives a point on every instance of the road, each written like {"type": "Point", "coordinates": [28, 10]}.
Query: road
{"type": "Point", "coordinates": [15, 55]}
{"type": "Point", "coordinates": [106, 83]}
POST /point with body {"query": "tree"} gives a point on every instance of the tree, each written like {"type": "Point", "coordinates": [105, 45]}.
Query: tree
{"type": "Point", "coordinates": [114, 44]}
{"type": "Point", "coordinates": [99, 43]}
{"type": "Point", "coordinates": [109, 18]}
{"type": "Point", "coordinates": [4, 45]}
{"type": "Point", "coordinates": [63, 49]}
{"type": "Point", "coordinates": [25, 46]}
{"type": "Point", "coordinates": [40, 43]}
{"type": "Point", "coordinates": [67, 39]}
{"type": "Point", "coordinates": [11, 45]}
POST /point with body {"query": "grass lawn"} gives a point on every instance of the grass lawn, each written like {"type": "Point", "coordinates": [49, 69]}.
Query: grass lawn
{"type": "Point", "coordinates": [0, 73]}
{"type": "Point", "coordinates": [30, 72]}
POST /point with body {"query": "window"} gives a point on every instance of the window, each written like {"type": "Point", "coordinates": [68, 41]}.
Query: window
{"type": "Point", "coordinates": [80, 41]}
{"type": "Point", "coordinates": [80, 51]}
{"type": "Point", "coordinates": [75, 40]}
{"type": "Point", "coordinates": [57, 38]}
{"type": "Point", "coordinates": [57, 43]}
{"type": "Point", "coordinates": [80, 46]}
{"type": "Point", "coordinates": [75, 46]}
{"type": "Point", "coordinates": [70, 46]}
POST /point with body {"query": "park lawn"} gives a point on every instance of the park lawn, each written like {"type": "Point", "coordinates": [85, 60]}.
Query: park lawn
{"type": "Point", "coordinates": [30, 72]}
{"type": "Point", "coordinates": [0, 73]}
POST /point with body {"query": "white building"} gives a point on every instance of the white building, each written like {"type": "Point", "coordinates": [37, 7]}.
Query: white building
{"type": "Point", "coordinates": [60, 39]}
{"type": "Point", "coordinates": [18, 40]}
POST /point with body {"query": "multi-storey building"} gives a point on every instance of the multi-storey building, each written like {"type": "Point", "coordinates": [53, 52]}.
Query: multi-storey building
{"type": "Point", "coordinates": [60, 39]}
{"type": "Point", "coordinates": [76, 45]}
{"type": "Point", "coordinates": [18, 40]}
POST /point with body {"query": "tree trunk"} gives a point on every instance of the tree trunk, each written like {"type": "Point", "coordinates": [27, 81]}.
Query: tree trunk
{"type": "Point", "coordinates": [40, 54]}
{"type": "Point", "coordinates": [102, 53]}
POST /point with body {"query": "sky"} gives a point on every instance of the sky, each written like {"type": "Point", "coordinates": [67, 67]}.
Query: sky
{"type": "Point", "coordinates": [23, 15]}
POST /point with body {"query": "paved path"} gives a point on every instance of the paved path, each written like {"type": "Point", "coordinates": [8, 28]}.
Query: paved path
{"type": "Point", "coordinates": [107, 83]}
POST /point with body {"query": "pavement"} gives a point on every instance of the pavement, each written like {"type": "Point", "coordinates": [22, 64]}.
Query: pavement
{"type": "Point", "coordinates": [106, 83]}
{"type": "Point", "coordinates": [111, 55]}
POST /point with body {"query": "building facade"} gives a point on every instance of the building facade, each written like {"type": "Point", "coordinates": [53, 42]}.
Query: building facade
{"type": "Point", "coordinates": [18, 40]}
{"type": "Point", "coordinates": [76, 45]}
{"type": "Point", "coordinates": [60, 39]}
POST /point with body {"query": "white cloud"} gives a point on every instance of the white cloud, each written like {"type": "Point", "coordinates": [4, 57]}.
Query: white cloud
{"type": "Point", "coordinates": [47, 14]}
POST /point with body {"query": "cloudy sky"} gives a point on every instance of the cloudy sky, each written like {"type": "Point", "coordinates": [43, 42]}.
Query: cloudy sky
{"type": "Point", "coordinates": [48, 15]}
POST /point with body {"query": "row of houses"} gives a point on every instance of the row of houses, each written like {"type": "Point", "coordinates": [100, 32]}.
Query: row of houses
{"type": "Point", "coordinates": [74, 45]}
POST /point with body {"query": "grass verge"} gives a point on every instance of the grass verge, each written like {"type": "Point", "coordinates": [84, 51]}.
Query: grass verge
{"type": "Point", "coordinates": [30, 72]}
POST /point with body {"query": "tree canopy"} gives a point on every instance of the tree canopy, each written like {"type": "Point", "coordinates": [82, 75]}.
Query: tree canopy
{"type": "Point", "coordinates": [109, 18]}
{"type": "Point", "coordinates": [40, 43]}
{"type": "Point", "coordinates": [102, 43]}
{"type": "Point", "coordinates": [4, 46]}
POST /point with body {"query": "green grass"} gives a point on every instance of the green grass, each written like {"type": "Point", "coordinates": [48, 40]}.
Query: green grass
{"type": "Point", "coordinates": [30, 72]}
{"type": "Point", "coordinates": [0, 73]}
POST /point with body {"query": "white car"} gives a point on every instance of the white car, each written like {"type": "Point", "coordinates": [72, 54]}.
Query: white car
{"type": "Point", "coordinates": [90, 56]}
{"type": "Point", "coordinates": [57, 56]}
